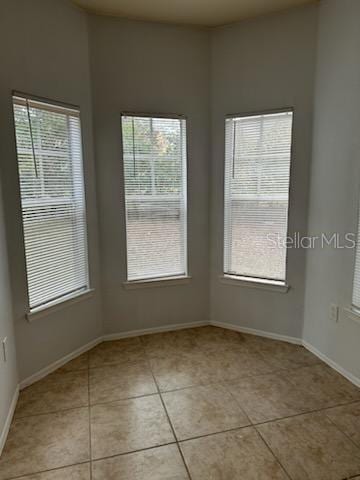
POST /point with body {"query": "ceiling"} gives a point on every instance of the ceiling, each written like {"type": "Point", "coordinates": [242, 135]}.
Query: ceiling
{"type": "Point", "coordinates": [208, 13]}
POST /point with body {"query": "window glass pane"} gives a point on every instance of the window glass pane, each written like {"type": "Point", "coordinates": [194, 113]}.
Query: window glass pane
{"type": "Point", "coordinates": [49, 153]}
{"type": "Point", "coordinates": [154, 156]}
{"type": "Point", "coordinates": [257, 169]}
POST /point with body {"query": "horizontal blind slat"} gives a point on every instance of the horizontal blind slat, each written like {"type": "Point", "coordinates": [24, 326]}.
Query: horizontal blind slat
{"type": "Point", "coordinates": [257, 171]}
{"type": "Point", "coordinates": [48, 140]}
{"type": "Point", "coordinates": [356, 283]}
{"type": "Point", "coordinates": [154, 158]}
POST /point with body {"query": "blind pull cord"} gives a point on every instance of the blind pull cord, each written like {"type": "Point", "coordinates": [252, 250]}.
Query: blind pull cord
{"type": "Point", "coordinates": [32, 139]}
{"type": "Point", "coordinates": [133, 145]}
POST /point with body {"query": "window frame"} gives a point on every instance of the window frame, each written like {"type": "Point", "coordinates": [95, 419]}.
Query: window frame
{"type": "Point", "coordinates": [67, 299]}
{"type": "Point", "coordinates": [355, 309]}
{"type": "Point", "coordinates": [281, 286]}
{"type": "Point", "coordinates": [158, 281]}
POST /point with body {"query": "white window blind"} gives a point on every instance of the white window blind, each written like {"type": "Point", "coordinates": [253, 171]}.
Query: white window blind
{"type": "Point", "coordinates": [154, 157]}
{"type": "Point", "coordinates": [257, 169]}
{"type": "Point", "coordinates": [356, 284]}
{"type": "Point", "coordinates": [49, 152]}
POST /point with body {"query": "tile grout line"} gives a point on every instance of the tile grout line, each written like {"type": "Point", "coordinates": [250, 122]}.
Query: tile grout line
{"type": "Point", "coordinates": [176, 438]}
{"type": "Point", "coordinates": [273, 454]}
{"type": "Point", "coordinates": [251, 425]}
{"type": "Point", "coordinates": [224, 384]}
{"type": "Point", "coordinates": [344, 433]}
{"type": "Point", "coordinates": [130, 452]}
{"type": "Point", "coordinates": [309, 412]}
{"type": "Point", "coordinates": [177, 442]}
{"type": "Point", "coordinates": [238, 404]}
{"type": "Point", "coordinates": [323, 411]}
{"type": "Point", "coordinates": [268, 446]}
{"type": "Point", "coordinates": [51, 412]}
{"type": "Point", "coordinates": [159, 392]}
{"type": "Point", "coordinates": [205, 435]}
{"type": "Point", "coordinates": [141, 450]}
{"type": "Point", "coordinates": [232, 382]}
{"type": "Point", "coordinates": [123, 399]}
{"type": "Point", "coordinates": [238, 428]}
{"type": "Point", "coordinates": [21, 476]}
{"type": "Point", "coordinates": [147, 359]}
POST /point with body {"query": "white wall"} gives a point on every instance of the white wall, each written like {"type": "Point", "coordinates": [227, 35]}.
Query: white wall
{"type": "Point", "coordinates": [335, 176]}
{"type": "Point", "coordinates": [44, 51]}
{"type": "Point", "coordinates": [8, 370]}
{"type": "Point", "coordinates": [260, 64]}
{"type": "Point", "coordinates": [145, 67]}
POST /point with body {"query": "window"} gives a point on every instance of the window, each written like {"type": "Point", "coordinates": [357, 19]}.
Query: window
{"type": "Point", "coordinates": [257, 170]}
{"type": "Point", "coordinates": [154, 157]}
{"type": "Point", "coordinates": [48, 141]}
{"type": "Point", "coordinates": [356, 284]}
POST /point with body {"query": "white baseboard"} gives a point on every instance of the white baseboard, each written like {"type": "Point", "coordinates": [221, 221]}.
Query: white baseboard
{"type": "Point", "coordinates": [297, 341]}
{"type": "Point", "coordinates": [148, 331]}
{"type": "Point", "coordinates": [59, 363]}
{"type": "Point", "coordinates": [168, 328]}
{"type": "Point", "coordinates": [259, 333]}
{"type": "Point", "coordinates": [8, 420]}
{"type": "Point", "coordinates": [352, 378]}
{"type": "Point", "coordinates": [107, 337]}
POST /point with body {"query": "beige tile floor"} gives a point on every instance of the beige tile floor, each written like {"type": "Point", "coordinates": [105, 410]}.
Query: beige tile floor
{"type": "Point", "coordinates": [195, 404]}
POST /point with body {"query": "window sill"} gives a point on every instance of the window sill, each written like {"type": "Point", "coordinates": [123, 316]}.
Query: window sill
{"type": "Point", "coordinates": [54, 306]}
{"type": "Point", "coordinates": [157, 282]}
{"type": "Point", "coordinates": [272, 285]}
{"type": "Point", "coordinates": [353, 314]}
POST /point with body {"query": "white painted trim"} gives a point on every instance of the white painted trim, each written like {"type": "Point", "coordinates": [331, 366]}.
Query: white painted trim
{"type": "Point", "coordinates": [6, 428]}
{"type": "Point", "coordinates": [352, 378]}
{"type": "Point", "coordinates": [157, 282]}
{"type": "Point", "coordinates": [168, 328]}
{"type": "Point", "coordinates": [148, 331]}
{"type": "Point", "coordinates": [59, 304]}
{"type": "Point", "coordinates": [297, 341]}
{"type": "Point", "coordinates": [259, 333]}
{"type": "Point", "coordinates": [112, 336]}
{"type": "Point", "coordinates": [240, 281]}
{"type": "Point", "coordinates": [59, 363]}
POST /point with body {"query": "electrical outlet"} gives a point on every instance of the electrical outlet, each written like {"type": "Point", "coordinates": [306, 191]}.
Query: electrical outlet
{"type": "Point", "coordinates": [334, 313]}
{"type": "Point", "coordinates": [4, 345]}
